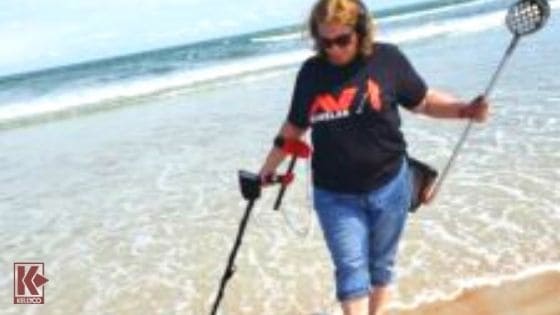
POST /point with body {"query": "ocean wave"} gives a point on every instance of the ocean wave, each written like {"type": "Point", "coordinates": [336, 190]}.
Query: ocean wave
{"type": "Point", "coordinates": [100, 95]}
{"type": "Point", "coordinates": [144, 87]}
{"type": "Point", "coordinates": [452, 26]}
{"type": "Point", "coordinates": [383, 18]}
{"type": "Point", "coordinates": [278, 38]}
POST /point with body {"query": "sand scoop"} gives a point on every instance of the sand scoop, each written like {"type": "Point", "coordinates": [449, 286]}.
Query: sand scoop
{"type": "Point", "coordinates": [523, 18]}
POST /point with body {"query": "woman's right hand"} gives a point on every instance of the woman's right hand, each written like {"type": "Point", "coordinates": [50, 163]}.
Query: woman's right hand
{"type": "Point", "coordinates": [276, 155]}
{"type": "Point", "coordinates": [265, 174]}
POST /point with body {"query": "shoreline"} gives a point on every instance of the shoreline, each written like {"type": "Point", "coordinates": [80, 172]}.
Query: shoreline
{"type": "Point", "coordinates": [532, 292]}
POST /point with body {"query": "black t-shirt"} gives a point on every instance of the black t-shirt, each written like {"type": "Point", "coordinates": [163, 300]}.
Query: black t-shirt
{"type": "Point", "coordinates": [356, 136]}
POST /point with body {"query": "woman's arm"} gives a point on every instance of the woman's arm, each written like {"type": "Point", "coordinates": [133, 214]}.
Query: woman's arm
{"type": "Point", "coordinates": [276, 156]}
{"type": "Point", "coordinates": [439, 104]}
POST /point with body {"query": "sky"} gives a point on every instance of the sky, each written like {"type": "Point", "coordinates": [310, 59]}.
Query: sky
{"type": "Point", "coordinates": [38, 34]}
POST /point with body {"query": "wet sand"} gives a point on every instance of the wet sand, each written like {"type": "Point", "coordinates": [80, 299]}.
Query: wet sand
{"type": "Point", "coordinates": [536, 294]}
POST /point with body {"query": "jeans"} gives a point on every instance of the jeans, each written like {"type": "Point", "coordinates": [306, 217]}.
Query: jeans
{"type": "Point", "coordinates": [362, 232]}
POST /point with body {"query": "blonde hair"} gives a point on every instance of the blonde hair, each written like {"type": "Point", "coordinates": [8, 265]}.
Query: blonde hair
{"type": "Point", "coordinates": [352, 13]}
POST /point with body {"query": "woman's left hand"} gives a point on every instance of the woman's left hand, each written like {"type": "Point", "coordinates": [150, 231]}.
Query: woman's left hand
{"type": "Point", "coordinates": [477, 109]}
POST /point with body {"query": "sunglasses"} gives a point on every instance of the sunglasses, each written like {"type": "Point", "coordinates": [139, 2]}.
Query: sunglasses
{"type": "Point", "coordinates": [340, 41]}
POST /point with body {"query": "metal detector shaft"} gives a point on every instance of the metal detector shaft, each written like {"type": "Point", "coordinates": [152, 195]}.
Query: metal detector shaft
{"type": "Point", "coordinates": [465, 134]}
{"type": "Point", "coordinates": [284, 185]}
{"type": "Point", "coordinates": [230, 268]}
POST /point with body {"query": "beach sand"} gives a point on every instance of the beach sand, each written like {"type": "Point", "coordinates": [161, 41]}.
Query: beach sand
{"type": "Point", "coordinates": [536, 294]}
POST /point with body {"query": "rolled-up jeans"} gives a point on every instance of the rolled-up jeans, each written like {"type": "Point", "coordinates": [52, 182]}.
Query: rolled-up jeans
{"type": "Point", "coordinates": [362, 232]}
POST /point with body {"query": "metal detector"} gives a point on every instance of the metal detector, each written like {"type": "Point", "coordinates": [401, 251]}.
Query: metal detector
{"type": "Point", "coordinates": [251, 185]}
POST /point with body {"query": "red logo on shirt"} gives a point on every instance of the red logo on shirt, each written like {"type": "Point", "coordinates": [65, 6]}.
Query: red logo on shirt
{"type": "Point", "coordinates": [374, 95]}
{"type": "Point", "coordinates": [326, 107]}
{"type": "Point", "coordinates": [325, 102]}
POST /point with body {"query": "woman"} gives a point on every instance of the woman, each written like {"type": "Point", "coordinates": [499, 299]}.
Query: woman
{"type": "Point", "coordinates": [349, 93]}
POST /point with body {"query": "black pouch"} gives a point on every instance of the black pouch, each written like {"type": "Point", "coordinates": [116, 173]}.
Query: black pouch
{"type": "Point", "coordinates": [423, 177]}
